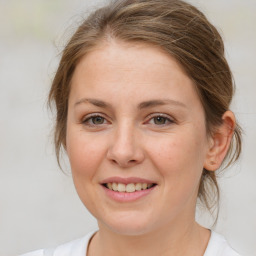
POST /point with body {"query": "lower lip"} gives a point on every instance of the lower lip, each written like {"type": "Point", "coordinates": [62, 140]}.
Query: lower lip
{"type": "Point", "coordinates": [125, 196]}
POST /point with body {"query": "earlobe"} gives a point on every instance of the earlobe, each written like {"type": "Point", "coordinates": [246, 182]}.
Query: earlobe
{"type": "Point", "coordinates": [220, 142]}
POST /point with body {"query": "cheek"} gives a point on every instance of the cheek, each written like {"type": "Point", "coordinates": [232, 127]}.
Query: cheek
{"type": "Point", "coordinates": [85, 157]}
{"type": "Point", "coordinates": [84, 153]}
{"type": "Point", "coordinates": [180, 154]}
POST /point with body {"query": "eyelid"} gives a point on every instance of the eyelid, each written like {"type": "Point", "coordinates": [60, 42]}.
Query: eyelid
{"type": "Point", "coordinates": [168, 117]}
{"type": "Point", "coordinates": [86, 118]}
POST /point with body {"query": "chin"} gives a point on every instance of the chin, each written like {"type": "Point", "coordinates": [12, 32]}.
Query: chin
{"type": "Point", "coordinates": [129, 224]}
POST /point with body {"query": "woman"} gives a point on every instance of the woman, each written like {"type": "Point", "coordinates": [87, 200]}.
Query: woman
{"type": "Point", "coordinates": [142, 94]}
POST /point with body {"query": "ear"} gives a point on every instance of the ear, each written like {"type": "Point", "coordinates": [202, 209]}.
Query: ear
{"type": "Point", "coordinates": [219, 142]}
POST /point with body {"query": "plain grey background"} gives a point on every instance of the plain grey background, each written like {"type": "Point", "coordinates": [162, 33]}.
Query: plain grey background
{"type": "Point", "coordinates": [38, 203]}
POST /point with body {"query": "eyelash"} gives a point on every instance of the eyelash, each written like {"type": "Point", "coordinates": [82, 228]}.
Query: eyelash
{"type": "Point", "coordinates": [89, 119]}
{"type": "Point", "coordinates": [165, 117]}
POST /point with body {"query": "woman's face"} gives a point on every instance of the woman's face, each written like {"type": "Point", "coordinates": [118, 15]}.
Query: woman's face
{"type": "Point", "coordinates": [135, 124]}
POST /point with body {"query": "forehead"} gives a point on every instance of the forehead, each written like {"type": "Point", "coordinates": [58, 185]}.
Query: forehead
{"type": "Point", "coordinates": [130, 55]}
{"type": "Point", "coordinates": [129, 69]}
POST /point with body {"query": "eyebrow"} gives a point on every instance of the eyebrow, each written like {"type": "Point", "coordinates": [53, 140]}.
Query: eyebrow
{"type": "Point", "coordinates": [142, 105]}
{"type": "Point", "coordinates": [95, 102]}
{"type": "Point", "coordinates": [153, 103]}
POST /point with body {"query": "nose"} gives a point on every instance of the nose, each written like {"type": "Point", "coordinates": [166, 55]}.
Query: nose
{"type": "Point", "coordinates": [125, 148]}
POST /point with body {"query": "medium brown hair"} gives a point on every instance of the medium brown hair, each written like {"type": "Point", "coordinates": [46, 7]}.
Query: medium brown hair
{"type": "Point", "coordinates": [184, 33]}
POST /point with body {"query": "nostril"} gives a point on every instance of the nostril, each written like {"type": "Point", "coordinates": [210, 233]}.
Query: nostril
{"type": "Point", "coordinates": [123, 163]}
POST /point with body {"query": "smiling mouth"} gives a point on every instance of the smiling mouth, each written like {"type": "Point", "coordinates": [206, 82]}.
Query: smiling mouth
{"type": "Point", "coordinates": [129, 188]}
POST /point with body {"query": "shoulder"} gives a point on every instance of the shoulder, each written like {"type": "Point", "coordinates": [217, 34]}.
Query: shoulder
{"type": "Point", "coordinates": [76, 247]}
{"type": "Point", "coordinates": [34, 253]}
{"type": "Point", "coordinates": [218, 246]}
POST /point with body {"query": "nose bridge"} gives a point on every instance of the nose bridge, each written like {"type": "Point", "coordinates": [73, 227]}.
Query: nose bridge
{"type": "Point", "coordinates": [125, 148]}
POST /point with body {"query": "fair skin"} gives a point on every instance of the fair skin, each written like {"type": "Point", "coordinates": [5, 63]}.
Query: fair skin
{"type": "Point", "coordinates": [134, 116]}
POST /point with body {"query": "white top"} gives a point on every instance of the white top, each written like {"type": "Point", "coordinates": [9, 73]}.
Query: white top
{"type": "Point", "coordinates": [217, 246]}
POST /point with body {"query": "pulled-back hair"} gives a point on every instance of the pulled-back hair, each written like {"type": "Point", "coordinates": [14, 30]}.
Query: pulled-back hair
{"type": "Point", "coordinates": [184, 33]}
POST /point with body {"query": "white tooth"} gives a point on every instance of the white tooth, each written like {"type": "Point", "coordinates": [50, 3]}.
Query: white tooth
{"type": "Point", "coordinates": [114, 186]}
{"type": "Point", "coordinates": [144, 186]}
{"type": "Point", "coordinates": [130, 188]}
{"type": "Point", "coordinates": [138, 186]}
{"type": "Point", "coordinates": [109, 185]}
{"type": "Point", "coordinates": [150, 185]}
{"type": "Point", "coordinates": [121, 187]}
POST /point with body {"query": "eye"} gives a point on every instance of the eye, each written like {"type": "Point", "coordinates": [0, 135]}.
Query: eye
{"type": "Point", "coordinates": [94, 120]}
{"type": "Point", "coordinates": [97, 120]}
{"type": "Point", "coordinates": [160, 120]}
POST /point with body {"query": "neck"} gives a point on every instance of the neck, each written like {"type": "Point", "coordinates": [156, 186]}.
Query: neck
{"type": "Point", "coordinates": [191, 240]}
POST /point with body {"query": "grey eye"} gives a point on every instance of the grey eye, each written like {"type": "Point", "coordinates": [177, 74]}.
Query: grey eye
{"type": "Point", "coordinates": [160, 120]}
{"type": "Point", "coordinates": [97, 120]}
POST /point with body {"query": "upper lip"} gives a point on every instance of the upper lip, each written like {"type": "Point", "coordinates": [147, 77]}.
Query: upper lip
{"type": "Point", "coordinates": [127, 180]}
